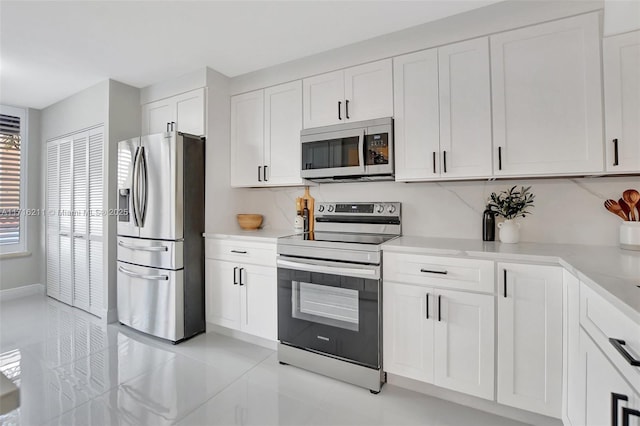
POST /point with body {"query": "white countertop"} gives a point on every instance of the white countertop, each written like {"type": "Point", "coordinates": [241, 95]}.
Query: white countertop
{"type": "Point", "coordinates": [258, 234]}
{"type": "Point", "coordinates": [612, 272]}
{"type": "Point", "coordinates": [9, 395]}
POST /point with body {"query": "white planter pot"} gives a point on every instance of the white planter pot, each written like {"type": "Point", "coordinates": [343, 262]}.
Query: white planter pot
{"type": "Point", "coordinates": [509, 231]}
{"type": "Point", "coordinates": [630, 235]}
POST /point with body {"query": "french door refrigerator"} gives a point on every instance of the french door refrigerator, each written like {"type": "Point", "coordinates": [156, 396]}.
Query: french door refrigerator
{"type": "Point", "coordinates": [160, 280]}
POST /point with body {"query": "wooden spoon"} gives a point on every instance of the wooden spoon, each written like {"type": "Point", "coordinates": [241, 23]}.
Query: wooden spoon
{"type": "Point", "coordinates": [615, 208]}
{"type": "Point", "coordinates": [625, 207]}
{"type": "Point", "coordinates": [631, 197]}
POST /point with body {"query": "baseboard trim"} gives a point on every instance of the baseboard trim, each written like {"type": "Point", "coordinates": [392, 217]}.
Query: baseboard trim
{"type": "Point", "coordinates": [473, 402]}
{"type": "Point", "coordinates": [249, 338]}
{"type": "Point", "coordinates": [22, 291]}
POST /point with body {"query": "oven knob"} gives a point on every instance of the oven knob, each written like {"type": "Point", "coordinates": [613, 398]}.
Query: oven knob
{"type": "Point", "coordinates": [380, 208]}
{"type": "Point", "coordinates": [321, 208]}
{"type": "Point", "coordinates": [330, 208]}
{"type": "Point", "coordinates": [391, 208]}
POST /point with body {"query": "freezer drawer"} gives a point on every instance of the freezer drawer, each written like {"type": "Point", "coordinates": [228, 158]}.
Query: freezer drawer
{"type": "Point", "coordinates": [151, 300]}
{"type": "Point", "coordinates": [152, 253]}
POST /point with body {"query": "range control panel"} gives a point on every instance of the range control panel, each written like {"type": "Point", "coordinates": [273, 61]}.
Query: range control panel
{"type": "Point", "coordinates": [358, 209]}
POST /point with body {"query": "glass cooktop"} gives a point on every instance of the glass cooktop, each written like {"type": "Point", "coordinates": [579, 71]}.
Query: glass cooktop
{"type": "Point", "coordinates": [339, 237]}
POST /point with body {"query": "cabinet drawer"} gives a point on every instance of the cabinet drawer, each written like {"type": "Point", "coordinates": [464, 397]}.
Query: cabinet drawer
{"type": "Point", "coordinates": [604, 322]}
{"type": "Point", "coordinates": [463, 274]}
{"type": "Point", "coordinates": [241, 251]}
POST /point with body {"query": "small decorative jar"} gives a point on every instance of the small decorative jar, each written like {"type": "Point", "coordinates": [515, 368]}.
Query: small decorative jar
{"type": "Point", "coordinates": [509, 231]}
{"type": "Point", "coordinates": [630, 235]}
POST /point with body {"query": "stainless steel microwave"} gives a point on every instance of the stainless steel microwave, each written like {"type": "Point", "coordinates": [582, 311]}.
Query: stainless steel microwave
{"type": "Point", "coordinates": [351, 151]}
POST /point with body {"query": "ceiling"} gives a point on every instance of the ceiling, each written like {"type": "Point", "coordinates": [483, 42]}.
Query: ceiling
{"type": "Point", "coordinates": [52, 49]}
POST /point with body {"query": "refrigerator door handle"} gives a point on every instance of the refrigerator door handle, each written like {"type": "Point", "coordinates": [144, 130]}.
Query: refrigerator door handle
{"type": "Point", "coordinates": [144, 277]}
{"type": "Point", "coordinates": [143, 248]}
{"type": "Point", "coordinates": [134, 188]}
{"type": "Point", "coordinates": [145, 186]}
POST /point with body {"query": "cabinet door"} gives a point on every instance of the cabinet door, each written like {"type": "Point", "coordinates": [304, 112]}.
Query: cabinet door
{"type": "Point", "coordinates": [408, 312]}
{"type": "Point", "coordinates": [573, 369]}
{"type": "Point", "coordinates": [602, 382]}
{"type": "Point", "coordinates": [190, 112]}
{"type": "Point", "coordinates": [416, 122]}
{"type": "Point", "coordinates": [622, 102]}
{"type": "Point", "coordinates": [222, 293]}
{"type": "Point", "coordinates": [96, 193]}
{"type": "Point", "coordinates": [464, 343]}
{"type": "Point", "coordinates": [547, 106]}
{"type": "Point", "coordinates": [282, 125]}
{"type": "Point", "coordinates": [465, 109]}
{"type": "Point", "coordinates": [65, 230]}
{"type": "Point", "coordinates": [156, 115]}
{"type": "Point", "coordinates": [80, 222]}
{"type": "Point", "coordinates": [530, 338]}
{"type": "Point", "coordinates": [259, 301]}
{"type": "Point", "coordinates": [247, 139]}
{"type": "Point", "coordinates": [368, 91]}
{"type": "Point", "coordinates": [323, 99]}
{"type": "Point", "coordinates": [52, 221]}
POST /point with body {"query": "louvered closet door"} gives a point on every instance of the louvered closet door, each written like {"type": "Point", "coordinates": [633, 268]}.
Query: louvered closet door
{"type": "Point", "coordinates": [80, 222]}
{"type": "Point", "coordinates": [65, 197]}
{"type": "Point", "coordinates": [96, 220]}
{"type": "Point", "coordinates": [52, 222]}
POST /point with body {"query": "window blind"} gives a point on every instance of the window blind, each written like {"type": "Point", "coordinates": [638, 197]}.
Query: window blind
{"type": "Point", "coordinates": [10, 144]}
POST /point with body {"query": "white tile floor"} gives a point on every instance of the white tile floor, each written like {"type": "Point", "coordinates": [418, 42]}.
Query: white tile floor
{"type": "Point", "coordinates": [74, 370]}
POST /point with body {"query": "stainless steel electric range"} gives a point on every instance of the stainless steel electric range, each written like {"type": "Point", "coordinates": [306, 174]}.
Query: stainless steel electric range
{"type": "Point", "coordinates": [330, 292]}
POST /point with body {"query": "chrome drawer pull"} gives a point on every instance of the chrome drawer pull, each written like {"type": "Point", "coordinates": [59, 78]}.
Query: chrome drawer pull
{"type": "Point", "coordinates": [144, 277]}
{"type": "Point", "coordinates": [619, 345]}
{"type": "Point", "coordinates": [429, 271]}
{"type": "Point", "coordinates": [143, 248]}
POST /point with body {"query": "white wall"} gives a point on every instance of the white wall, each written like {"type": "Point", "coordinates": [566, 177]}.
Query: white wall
{"type": "Point", "coordinates": [16, 272]}
{"type": "Point", "coordinates": [566, 210]}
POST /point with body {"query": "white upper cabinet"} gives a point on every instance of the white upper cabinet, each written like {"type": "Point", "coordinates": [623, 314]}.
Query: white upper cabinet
{"type": "Point", "coordinates": [247, 138]}
{"type": "Point", "coordinates": [416, 120]}
{"type": "Point", "coordinates": [368, 91]}
{"type": "Point", "coordinates": [547, 102]}
{"type": "Point", "coordinates": [622, 102]}
{"type": "Point", "coordinates": [282, 125]}
{"type": "Point", "coordinates": [359, 93]}
{"type": "Point", "coordinates": [442, 104]}
{"type": "Point", "coordinates": [465, 109]}
{"type": "Point", "coordinates": [621, 16]}
{"type": "Point", "coordinates": [183, 113]}
{"type": "Point", "coordinates": [265, 136]}
{"type": "Point", "coordinates": [530, 337]}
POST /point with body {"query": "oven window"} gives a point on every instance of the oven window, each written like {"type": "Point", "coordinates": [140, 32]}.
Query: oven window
{"type": "Point", "coordinates": [332, 153]}
{"type": "Point", "coordinates": [333, 306]}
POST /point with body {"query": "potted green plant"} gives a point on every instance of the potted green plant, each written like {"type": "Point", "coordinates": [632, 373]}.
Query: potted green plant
{"type": "Point", "coordinates": [510, 205]}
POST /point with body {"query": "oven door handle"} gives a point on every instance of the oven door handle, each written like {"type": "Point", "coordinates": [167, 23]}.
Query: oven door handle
{"type": "Point", "coordinates": [370, 272]}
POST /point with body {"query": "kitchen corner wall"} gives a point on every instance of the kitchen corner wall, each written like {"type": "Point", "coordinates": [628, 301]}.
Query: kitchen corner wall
{"type": "Point", "coordinates": [568, 211]}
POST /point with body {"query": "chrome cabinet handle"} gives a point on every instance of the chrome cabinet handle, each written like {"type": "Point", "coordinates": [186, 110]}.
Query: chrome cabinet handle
{"type": "Point", "coordinates": [143, 248]}
{"type": "Point", "coordinates": [430, 271]}
{"type": "Point", "coordinates": [144, 277]}
{"type": "Point", "coordinates": [619, 345]}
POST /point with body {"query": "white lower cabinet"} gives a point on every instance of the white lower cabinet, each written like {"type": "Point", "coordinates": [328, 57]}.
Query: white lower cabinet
{"type": "Point", "coordinates": [606, 391]}
{"type": "Point", "coordinates": [440, 336]}
{"type": "Point", "coordinates": [530, 337]}
{"type": "Point", "coordinates": [241, 287]}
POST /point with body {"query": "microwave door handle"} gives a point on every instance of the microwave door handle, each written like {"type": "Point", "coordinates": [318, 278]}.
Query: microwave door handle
{"type": "Point", "coordinates": [362, 149]}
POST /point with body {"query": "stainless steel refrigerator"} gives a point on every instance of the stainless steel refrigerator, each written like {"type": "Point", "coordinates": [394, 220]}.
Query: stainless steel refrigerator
{"type": "Point", "coordinates": [160, 225]}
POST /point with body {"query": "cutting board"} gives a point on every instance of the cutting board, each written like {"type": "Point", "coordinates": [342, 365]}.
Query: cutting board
{"type": "Point", "coordinates": [310, 205]}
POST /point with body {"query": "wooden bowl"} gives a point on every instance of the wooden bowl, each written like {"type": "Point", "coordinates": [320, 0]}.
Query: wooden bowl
{"type": "Point", "coordinates": [249, 221]}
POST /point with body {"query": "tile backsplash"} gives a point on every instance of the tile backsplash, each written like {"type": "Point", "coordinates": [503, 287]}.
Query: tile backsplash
{"type": "Point", "coordinates": [567, 210]}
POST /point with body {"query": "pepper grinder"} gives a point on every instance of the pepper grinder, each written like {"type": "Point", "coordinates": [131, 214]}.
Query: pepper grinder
{"type": "Point", "coordinates": [488, 225]}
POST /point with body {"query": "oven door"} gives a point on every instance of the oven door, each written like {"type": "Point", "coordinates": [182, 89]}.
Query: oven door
{"type": "Point", "coordinates": [330, 307]}
{"type": "Point", "coordinates": [338, 153]}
